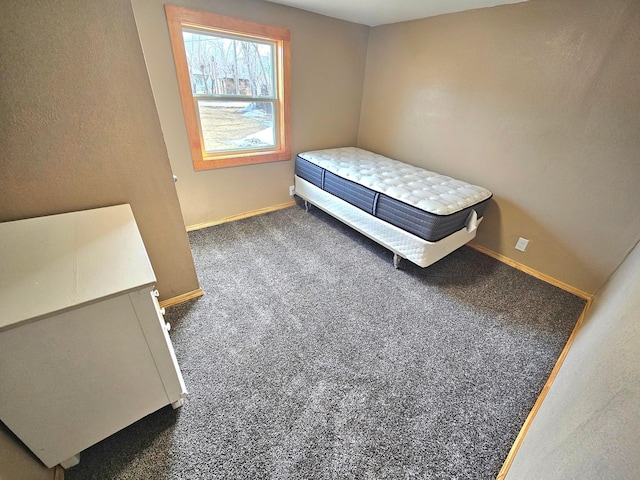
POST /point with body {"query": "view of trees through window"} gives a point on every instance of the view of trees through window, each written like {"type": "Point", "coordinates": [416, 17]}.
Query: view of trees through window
{"type": "Point", "coordinates": [232, 83]}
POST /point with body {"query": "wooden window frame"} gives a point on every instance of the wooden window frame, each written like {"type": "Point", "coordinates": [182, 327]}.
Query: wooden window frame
{"type": "Point", "coordinates": [179, 18]}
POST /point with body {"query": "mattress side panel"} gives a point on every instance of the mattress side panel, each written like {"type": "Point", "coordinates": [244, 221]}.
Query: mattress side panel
{"type": "Point", "coordinates": [311, 172]}
{"type": "Point", "coordinates": [357, 195]}
{"type": "Point", "coordinates": [424, 224]}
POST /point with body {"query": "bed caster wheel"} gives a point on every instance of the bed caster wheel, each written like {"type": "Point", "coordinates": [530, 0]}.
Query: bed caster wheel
{"type": "Point", "coordinates": [306, 206]}
{"type": "Point", "coordinates": [396, 260]}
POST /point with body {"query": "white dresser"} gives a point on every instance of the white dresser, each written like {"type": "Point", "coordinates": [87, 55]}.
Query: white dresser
{"type": "Point", "coordinates": [84, 349]}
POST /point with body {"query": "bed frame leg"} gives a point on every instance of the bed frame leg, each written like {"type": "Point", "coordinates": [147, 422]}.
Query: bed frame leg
{"type": "Point", "coordinates": [306, 206]}
{"type": "Point", "coordinates": [396, 260]}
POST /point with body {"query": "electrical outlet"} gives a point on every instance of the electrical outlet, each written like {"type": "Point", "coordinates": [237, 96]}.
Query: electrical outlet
{"type": "Point", "coordinates": [292, 190]}
{"type": "Point", "coordinates": [521, 244]}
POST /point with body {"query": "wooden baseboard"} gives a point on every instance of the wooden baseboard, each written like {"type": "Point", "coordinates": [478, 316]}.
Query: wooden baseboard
{"type": "Point", "coordinates": [58, 473]}
{"type": "Point", "coordinates": [554, 373]}
{"type": "Point", "coordinates": [534, 273]}
{"type": "Point", "coordinates": [169, 302]}
{"type": "Point", "coordinates": [253, 213]}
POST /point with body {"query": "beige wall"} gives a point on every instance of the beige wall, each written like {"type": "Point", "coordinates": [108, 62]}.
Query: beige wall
{"type": "Point", "coordinates": [328, 59]}
{"type": "Point", "coordinates": [18, 463]}
{"type": "Point", "coordinates": [540, 103]}
{"type": "Point", "coordinates": [79, 128]}
{"type": "Point", "coordinates": [588, 427]}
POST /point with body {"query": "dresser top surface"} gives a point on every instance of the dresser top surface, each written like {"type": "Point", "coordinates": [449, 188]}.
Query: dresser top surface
{"type": "Point", "coordinates": [58, 262]}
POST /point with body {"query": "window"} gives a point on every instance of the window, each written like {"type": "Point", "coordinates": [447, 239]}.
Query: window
{"type": "Point", "coordinates": [233, 77]}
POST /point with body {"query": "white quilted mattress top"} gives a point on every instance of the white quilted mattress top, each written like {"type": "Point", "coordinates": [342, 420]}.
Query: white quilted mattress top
{"type": "Point", "coordinates": [428, 191]}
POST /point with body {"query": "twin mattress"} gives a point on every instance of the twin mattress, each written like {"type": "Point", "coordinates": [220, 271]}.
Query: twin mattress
{"type": "Point", "coordinates": [426, 204]}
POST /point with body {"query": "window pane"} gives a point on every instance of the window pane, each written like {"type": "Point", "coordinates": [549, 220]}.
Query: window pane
{"type": "Point", "coordinates": [233, 77]}
{"type": "Point", "coordinates": [229, 66]}
{"type": "Point", "coordinates": [236, 125]}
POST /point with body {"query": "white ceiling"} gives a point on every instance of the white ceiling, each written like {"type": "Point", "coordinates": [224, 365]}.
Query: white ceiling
{"type": "Point", "coordinates": [380, 12]}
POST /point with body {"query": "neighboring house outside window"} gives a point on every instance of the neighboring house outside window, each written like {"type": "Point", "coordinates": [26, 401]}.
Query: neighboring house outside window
{"type": "Point", "coordinates": [234, 80]}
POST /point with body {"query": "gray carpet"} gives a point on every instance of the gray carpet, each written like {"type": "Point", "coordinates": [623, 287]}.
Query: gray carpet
{"type": "Point", "coordinates": [311, 357]}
